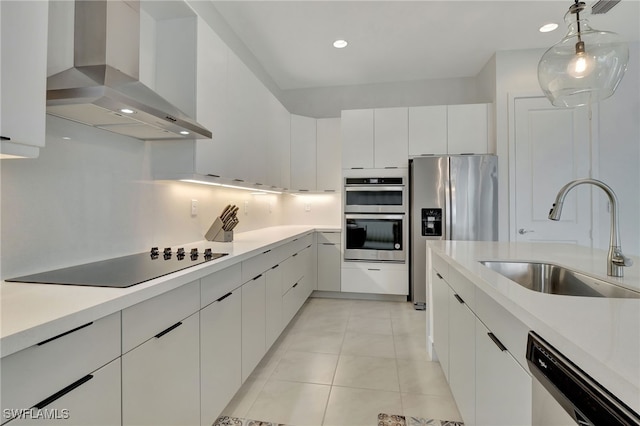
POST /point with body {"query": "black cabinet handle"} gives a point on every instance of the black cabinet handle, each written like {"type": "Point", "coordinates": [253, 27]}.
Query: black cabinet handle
{"type": "Point", "coordinates": [274, 267]}
{"type": "Point", "coordinates": [40, 405]}
{"type": "Point", "coordinates": [373, 269]}
{"type": "Point", "coordinates": [497, 341]}
{"type": "Point", "coordinates": [294, 286]}
{"type": "Point", "coordinates": [458, 298]}
{"type": "Point", "coordinates": [224, 297]}
{"type": "Point", "coordinates": [439, 276]}
{"type": "Point", "coordinates": [256, 277]}
{"type": "Point", "coordinates": [328, 244]}
{"type": "Point", "coordinates": [64, 334]}
{"type": "Point", "coordinates": [173, 327]}
{"type": "Point", "coordinates": [5, 138]}
{"type": "Point", "coordinates": [267, 251]}
{"type": "Point", "coordinates": [294, 255]}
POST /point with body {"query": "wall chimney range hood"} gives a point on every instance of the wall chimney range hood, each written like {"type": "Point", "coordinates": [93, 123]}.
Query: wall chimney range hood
{"type": "Point", "coordinates": [102, 89]}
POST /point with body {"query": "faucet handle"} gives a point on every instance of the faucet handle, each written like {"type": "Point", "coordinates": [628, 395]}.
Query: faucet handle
{"type": "Point", "coordinates": [620, 259]}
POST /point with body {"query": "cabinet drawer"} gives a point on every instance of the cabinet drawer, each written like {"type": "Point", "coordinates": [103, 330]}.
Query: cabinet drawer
{"type": "Point", "coordinates": [463, 287]}
{"type": "Point", "coordinates": [36, 373]}
{"type": "Point", "coordinates": [216, 285]}
{"type": "Point", "coordinates": [94, 402]}
{"type": "Point", "coordinates": [292, 300]}
{"type": "Point", "coordinates": [262, 262]}
{"type": "Point", "coordinates": [146, 319]}
{"type": "Point", "coordinates": [329, 238]}
{"type": "Point", "coordinates": [375, 280]}
{"type": "Point", "coordinates": [440, 266]}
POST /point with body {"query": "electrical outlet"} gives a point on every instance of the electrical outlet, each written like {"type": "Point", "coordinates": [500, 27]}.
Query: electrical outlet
{"type": "Point", "coordinates": [194, 207]}
{"type": "Point", "coordinates": [307, 207]}
{"type": "Point", "coordinates": [246, 207]}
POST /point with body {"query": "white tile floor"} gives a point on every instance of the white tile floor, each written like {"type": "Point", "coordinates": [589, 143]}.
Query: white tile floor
{"type": "Point", "coordinates": [341, 362]}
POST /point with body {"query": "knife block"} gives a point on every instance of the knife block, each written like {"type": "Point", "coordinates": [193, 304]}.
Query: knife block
{"type": "Point", "coordinates": [216, 233]}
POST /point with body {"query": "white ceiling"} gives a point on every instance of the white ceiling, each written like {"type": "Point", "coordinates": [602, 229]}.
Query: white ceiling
{"type": "Point", "coordinates": [393, 41]}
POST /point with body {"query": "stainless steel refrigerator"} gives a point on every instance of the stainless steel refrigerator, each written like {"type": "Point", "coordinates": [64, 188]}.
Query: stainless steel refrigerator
{"type": "Point", "coordinates": [453, 197]}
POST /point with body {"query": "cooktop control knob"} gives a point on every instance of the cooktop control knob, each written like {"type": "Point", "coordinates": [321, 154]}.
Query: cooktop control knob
{"type": "Point", "coordinates": [208, 254]}
{"type": "Point", "coordinates": [154, 251]}
{"type": "Point", "coordinates": [180, 253]}
{"type": "Point", "coordinates": [167, 250]}
{"type": "Point", "coordinates": [194, 253]}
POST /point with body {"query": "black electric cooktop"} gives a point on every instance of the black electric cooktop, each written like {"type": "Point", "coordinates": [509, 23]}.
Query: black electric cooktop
{"type": "Point", "coordinates": [123, 271]}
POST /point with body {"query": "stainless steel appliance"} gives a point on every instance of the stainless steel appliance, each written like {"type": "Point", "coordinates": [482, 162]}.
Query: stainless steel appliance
{"type": "Point", "coordinates": [585, 400]}
{"type": "Point", "coordinates": [375, 220]}
{"type": "Point", "coordinates": [451, 198]}
{"type": "Point", "coordinates": [124, 271]}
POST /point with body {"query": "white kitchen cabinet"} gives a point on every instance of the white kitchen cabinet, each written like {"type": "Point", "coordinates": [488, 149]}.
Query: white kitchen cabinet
{"type": "Point", "coordinates": [273, 308]}
{"type": "Point", "coordinates": [303, 153]}
{"type": "Point", "coordinates": [462, 355]}
{"type": "Point", "coordinates": [427, 130]}
{"type": "Point", "coordinates": [503, 388]}
{"type": "Point", "coordinates": [328, 155]}
{"type": "Point", "coordinates": [329, 261]}
{"type": "Point", "coordinates": [161, 378]}
{"type": "Point", "coordinates": [220, 354]}
{"type": "Point", "coordinates": [449, 129]}
{"type": "Point", "coordinates": [468, 129]}
{"type": "Point", "coordinates": [357, 138]}
{"type": "Point", "coordinates": [440, 307]}
{"type": "Point", "coordinates": [253, 324]}
{"type": "Point", "coordinates": [93, 400]}
{"type": "Point", "coordinates": [278, 145]}
{"type": "Point", "coordinates": [376, 278]}
{"type": "Point", "coordinates": [23, 32]}
{"type": "Point", "coordinates": [390, 140]}
{"type": "Point", "coordinates": [36, 373]}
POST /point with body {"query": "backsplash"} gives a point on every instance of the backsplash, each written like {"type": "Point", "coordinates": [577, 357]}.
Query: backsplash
{"type": "Point", "coordinates": [90, 196]}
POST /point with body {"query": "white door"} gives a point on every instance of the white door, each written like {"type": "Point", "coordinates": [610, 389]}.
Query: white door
{"type": "Point", "coordinates": [552, 147]}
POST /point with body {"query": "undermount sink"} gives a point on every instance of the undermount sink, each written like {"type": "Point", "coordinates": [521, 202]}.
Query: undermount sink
{"type": "Point", "coordinates": [555, 279]}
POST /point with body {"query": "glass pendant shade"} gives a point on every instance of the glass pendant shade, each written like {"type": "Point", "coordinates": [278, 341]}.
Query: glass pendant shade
{"type": "Point", "coordinates": [586, 66]}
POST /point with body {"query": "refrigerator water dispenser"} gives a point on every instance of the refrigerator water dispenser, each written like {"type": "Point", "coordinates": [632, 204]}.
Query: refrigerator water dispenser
{"type": "Point", "coordinates": [431, 222]}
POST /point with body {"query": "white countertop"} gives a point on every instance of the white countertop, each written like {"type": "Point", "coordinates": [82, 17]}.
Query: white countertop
{"type": "Point", "coordinates": [31, 313]}
{"type": "Point", "coordinates": [600, 335]}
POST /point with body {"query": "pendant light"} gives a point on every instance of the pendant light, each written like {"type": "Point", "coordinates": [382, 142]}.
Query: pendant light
{"type": "Point", "coordinates": [584, 67]}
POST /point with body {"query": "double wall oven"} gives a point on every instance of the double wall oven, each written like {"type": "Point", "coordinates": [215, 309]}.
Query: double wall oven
{"type": "Point", "coordinates": [375, 219]}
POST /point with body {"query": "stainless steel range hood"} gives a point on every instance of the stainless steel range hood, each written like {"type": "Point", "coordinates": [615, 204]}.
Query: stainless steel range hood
{"type": "Point", "coordinates": [102, 89]}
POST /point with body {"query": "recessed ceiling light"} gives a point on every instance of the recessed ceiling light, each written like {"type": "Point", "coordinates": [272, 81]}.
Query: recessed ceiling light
{"type": "Point", "coordinates": [548, 27]}
{"type": "Point", "coordinates": [66, 138]}
{"type": "Point", "coordinates": [339, 44]}
{"type": "Point", "coordinates": [184, 132]}
{"type": "Point", "coordinates": [127, 111]}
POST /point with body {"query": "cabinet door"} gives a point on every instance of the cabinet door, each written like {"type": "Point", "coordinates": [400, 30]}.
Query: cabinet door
{"type": "Point", "coordinates": [462, 353]}
{"type": "Point", "coordinates": [303, 153]}
{"type": "Point", "coordinates": [220, 355]}
{"type": "Point", "coordinates": [391, 129]}
{"type": "Point", "coordinates": [440, 305]}
{"type": "Point", "coordinates": [468, 129]}
{"type": "Point", "coordinates": [23, 76]}
{"type": "Point", "coordinates": [503, 387]}
{"type": "Point", "coordinates": [328, 266]}
{"type": "Point", "coordinates": [253, 327]}
{"type": "Point", "coordinates": [95, 401]}
{"type": "Point", "coordinates": [273, 308]}
{"type": "Point", "coordinates": [161, 378]}
{"type": "Point", "coordinates": [328, 155]}
{"type": "Point", "coordinates": [357, 139]}
{"type": "Point", "coordinates": [427, 130]}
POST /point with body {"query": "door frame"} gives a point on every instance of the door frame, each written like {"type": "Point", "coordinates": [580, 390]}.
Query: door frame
{"type": "Point", "coordinates": [593, 166]}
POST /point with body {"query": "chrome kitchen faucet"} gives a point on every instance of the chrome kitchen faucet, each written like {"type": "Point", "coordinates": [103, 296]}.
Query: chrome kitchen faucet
{"type": "Point", "coordinates": [616, 260]}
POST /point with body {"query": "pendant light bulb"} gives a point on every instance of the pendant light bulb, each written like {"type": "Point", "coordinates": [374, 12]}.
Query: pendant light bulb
{"type": "Point", "coordinates": [584, 67]}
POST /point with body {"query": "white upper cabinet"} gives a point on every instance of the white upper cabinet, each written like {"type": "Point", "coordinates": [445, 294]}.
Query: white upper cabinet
{"type": "Point", "coordinates": [303, 153]}
{"type": "Point", "coordinates": [23, 77]}
{"type": "Point", "coordinates": [357, 139]}
{"type": "Point", "coordinates": [328, 155]}
{"type": "Point", "coordinates": [427, 130]}
{"type": "Point", "coordinates": [449, 129]}
{"type": "Point", "coordinates": [390, 138]}
{"type": "Point", "coordinates": [468, 129]}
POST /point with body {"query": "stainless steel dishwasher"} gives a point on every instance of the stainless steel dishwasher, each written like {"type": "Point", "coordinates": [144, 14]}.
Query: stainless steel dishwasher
{"type": "Point", "coordinates": [584, 400]}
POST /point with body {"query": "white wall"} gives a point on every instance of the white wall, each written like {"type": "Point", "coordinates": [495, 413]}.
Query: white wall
{"type": "Point", "coordinates": [618, 139]}
{"type": "Point", "coordinates": [91, 197]}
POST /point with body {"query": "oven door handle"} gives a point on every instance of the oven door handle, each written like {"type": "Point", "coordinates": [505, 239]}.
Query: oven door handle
{"type": "Point", "coordinates": [397, 188]}
{"type": "Point", "coordinates": [399, 216]}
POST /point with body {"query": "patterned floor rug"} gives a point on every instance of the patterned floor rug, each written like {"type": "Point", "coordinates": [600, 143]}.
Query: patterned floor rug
{"type": "Point", "coordinates": [383, 420]}
{"type": "Point", "coordinates": [397, 420]}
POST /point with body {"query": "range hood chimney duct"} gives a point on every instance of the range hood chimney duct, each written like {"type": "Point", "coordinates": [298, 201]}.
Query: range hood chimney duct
{"type": "Point", "coordinates": [102, 89]}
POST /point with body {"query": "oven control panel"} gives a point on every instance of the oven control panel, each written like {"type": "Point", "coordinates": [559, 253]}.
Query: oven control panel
{"type": "Point", "coordinates": [431, 222]}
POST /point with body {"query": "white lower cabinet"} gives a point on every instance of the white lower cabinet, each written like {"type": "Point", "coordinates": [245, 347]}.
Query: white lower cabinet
{"type": "Point", "coordinates": [462, 353]}
{"type": "Point", "coordinates": [503, 388]}
{"type": "Point", "coordinates": [489, 385]}
{"type": "Point", "coordinates": [273, 307]}
{"type": "Point", "coordinates": [378, 278]}
{"type": "Point", "coordinates": [253, 324]}
{"type": "Point", "coordinates": [220, 354]}
{"type": "Point", "coordinates": [329, 261]}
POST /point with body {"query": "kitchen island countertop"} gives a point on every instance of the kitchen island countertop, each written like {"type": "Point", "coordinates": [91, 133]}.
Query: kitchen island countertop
{"type": "Point", "coordinates": [31, 313]}
{"type": "Point", "coordinates": [600, 335]}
